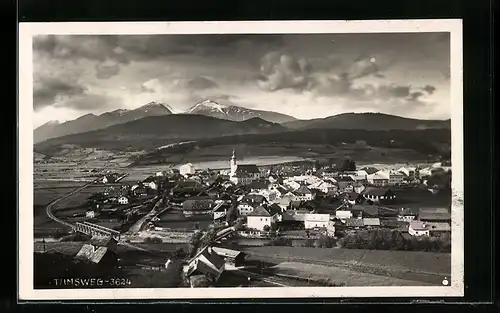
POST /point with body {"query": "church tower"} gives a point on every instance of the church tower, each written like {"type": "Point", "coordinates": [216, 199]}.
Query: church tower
{"type": "Point", "coordinates": [233, 164]}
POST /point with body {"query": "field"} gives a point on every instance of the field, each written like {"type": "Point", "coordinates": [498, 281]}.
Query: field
{"type": "Point", "coordinates": [416, 198]}
{"type": "Point", "coordinates": [385, 261]}
{"type": "Point", "coordinates": [339, 276]}
{"type": "Point", "coordinates": [364, 154]}
{"type": "Point", "coordinates": [177, 220]}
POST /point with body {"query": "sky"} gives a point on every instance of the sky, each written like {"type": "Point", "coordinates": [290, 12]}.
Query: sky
{"type": "Point", "coordinates": [302, 75]}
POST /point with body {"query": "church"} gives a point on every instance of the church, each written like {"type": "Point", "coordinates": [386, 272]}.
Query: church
{"type": "Point", "coordinates": [243, 173]}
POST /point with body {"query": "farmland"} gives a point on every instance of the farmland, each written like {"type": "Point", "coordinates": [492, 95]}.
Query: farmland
{"type": "Point", "coordinates": [335, 275]}
{"type": "Point", "coordinates": [385, 261]}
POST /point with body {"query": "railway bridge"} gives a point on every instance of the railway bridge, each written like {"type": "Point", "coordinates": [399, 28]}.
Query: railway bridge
{"type": "Point", "coordinates": [96, 230]}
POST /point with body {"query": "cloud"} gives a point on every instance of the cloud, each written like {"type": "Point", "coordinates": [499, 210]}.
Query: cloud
{"type": "Point", "coordinates": [281, 71]}
{"type": "Point", "coordinates": [362, 67]}
{"type": "Point", "coordinates": [107, 69]}
{"type": "Point", "coordinates": [429, 89]}
{"type": "Point", "coordinates": [122, 49]}
{"type": "Point", "coordinates": [87, 102]}
{"type": "Point", "coordinates": [48, 90]}
{"type": "Point", "coordinates": [201, 83]}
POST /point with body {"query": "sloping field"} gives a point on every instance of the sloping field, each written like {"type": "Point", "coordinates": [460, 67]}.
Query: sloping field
{"type": "Point", "coordinates": [342, 276]}
{"type": "Point", "coordinates": [389, 261]}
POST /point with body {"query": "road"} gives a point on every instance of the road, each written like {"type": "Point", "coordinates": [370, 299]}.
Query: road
{"type": "Point", "coordinates": [51, 205]}
{"type": "Point", "coordinates": [51, 215]}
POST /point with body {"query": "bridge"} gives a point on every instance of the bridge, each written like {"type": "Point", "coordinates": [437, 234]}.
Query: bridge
{"type": "Point", "coordinates": [96, 230]}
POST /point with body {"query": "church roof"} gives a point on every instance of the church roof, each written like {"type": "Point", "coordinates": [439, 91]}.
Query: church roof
{"type": "Point", "coordinates": [247, 168]}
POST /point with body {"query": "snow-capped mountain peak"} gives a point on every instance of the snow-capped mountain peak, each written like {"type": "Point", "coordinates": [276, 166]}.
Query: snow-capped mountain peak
{"type": "Point", "coordinates": [208, 105]}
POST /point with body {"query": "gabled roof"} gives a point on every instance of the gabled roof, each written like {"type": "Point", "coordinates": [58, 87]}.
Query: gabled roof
{"type": "Point", "coordinates": [258, 184]}
{"type": "Point", "coordinates": [254, 198]}
{"type": "Point", "coordinates": [303, 190]}
{"type": "Point", "coordinates": [274, 209]}
{"type": "Point", "coordinates": [343, 179]}
{"type": "Point", "coordinates": [207, 261]}
{"type": "Point", "coordinates": [260, 211]}
{"type": "Point", "coordinates": [227, 252]}
{"type": "Point", "coordinates": [247, 168]}
{"type": "Point", "coordinates": [99, 254]}
{"type": "Point", "coordinates": [377, 191]}
{"type": "Point", "coordinates": [85, 253]}
{"type": "Point", "coordinates": [354, 222]}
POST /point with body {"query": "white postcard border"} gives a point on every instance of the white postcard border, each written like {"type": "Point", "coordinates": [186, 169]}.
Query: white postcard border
{"type": "Point", "coordinates": [26, 289]}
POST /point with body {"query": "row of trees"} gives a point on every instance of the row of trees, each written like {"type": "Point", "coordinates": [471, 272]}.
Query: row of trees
{"type": "Point", "coordinates": [385, 239]}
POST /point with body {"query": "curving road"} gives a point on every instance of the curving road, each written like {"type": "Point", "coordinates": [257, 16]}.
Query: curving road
{"type": "Point", "coordinates": [51, 205]}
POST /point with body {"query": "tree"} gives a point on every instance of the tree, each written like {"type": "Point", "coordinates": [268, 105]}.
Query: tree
{"type": "Point", "coordinates": [346, 165]}
{"type": "Point", "coordinates": [232, 213]}
{"type": "Point", "coordinates": [266, 228]}
{"type": "Point", "coordinates": [209, 237]}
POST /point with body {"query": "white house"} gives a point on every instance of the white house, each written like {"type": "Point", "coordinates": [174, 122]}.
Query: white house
{"type": "Point", "coordinates": [90, 214]}
{"type": "Point", "coordinates": [378, 194]}
{"type": "Point", "coordinates": [343, 214]}
{"type": "Point", "coordinates": [291, 184]}
{"type": "Point", "coordinates": [379, 179]}
{"type": "Point", "coordinates": [396, 178]}
{"type": "Point", "coordinates": [245, 208]}
{"type": "Point", "coordinates": [304, 193]}
{"type": "Point", "coordinates": [418, 228]}
{"type": "Point", "coordinates": [152, 185]}
{"type": "Point", "coordinates": [323, 186]}
{"type": "Point", "coordinates": [268, 194]}
{"type": "Point", "coordinates": [122, 200]}
{"type": "Point", "coordinates": [104, 180]}
{"type": "Point", "coordinates": [219, 210]}
{"type": "Point", "coordinates": [262, 216]}
{"type": "Point", "coordinates": [187, 169]}
{"type": "Point", "coordinates": [359, 188]}
{"type": "Point", "coordinates": [316, 220]}
{"type": "Point", "coordinates": [292, 196]}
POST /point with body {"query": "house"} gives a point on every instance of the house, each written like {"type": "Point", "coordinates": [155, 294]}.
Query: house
{"type": "Point", "coordinates": [100, 251]}
{"type": "Point", "coordinates": [379, 194]}
{"type": "Point", "coordinates": [396, 178]}
{"type": "Point", "coordinates": [323, 186]}
{"type": "Point", "coordinates": [345, 184]}
{"type": "Point", "coordinates": [197, 205]}
{"type": "Point", "coordinates": [361, 210]}
{"type": "Point", "coordinates": [370, 170]}
{"type": "Point", "coordinates": [343, 214]}
{"type": "Point", "coordinates": [411, 173]}
{"type": "Point", "coordinates": [359, 188]}
{"type": "Point", "coordinates": [331, 173]}
{"type": "Point", "coordinates": [353, 223]}
{"type": "Point", "coordinates": [371, 222]}
{"type": "Point", "coordinates": [122, 200]}
{"type": "Point", "coordinates": [269, 195]}
{"type": "Point", "coordinates": [91, 214]}
{"type": "Point", "coordinates": [279, 190]}
{"type": "Point", "coordinates": [187, 169]}
{"type": "Point", "coordinates": [219, 210]}
{"type": "Point", "coordinates": [406, 215]}
{"type": "Point", "coordinates": [379, 179]}
{"type": "Point", "coordinates": [304, 193]}
{"type": "Point", "coordinates": [417, 228]}
{"type": "Point", "coordinates": [284, 203]}
{"type": "Point", "coordinates": [233, 258]}
{"type": "Point", "coordinates": [207, 263]}
{"type": "Point", "coordinates": [293, 185]}
{"type": "Point", "coordinates": [263, 216]}
{"type": "Point", "coordinates": [243, 173]}
{"type": "Point", "coordinates": [258, 185]}
{"type": "Point", "coordinates": [353, 198]}
{"type": "Point", "coordinates": [316, 220]}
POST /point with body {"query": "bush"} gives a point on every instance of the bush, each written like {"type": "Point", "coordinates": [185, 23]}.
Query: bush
{"type": "Point", "coordinates": [153, 240]}
{"type": "Point", "coordinates": [325, 242]}
{"type": "Point", "coordinates": [280, 241]}
{"type": "Point", "coordinates": [384, 239]}
{"type": "Point", "coordinates": [179, 253]}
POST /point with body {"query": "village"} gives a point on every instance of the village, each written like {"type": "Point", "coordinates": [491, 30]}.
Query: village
{"type": "Point", "coordinates": [217, 213]}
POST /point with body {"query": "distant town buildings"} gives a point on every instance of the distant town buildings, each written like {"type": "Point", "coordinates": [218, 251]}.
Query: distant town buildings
{"type": "Point", "coordinates": [187, 169]}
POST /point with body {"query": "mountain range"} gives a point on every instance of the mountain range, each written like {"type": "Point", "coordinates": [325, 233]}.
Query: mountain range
{"type": "Point", "coordinates": [91, 122]}
{"type": "Point", "coordinates": [368, 121]}
{"type": "Point", "coordinates": [155, 131]}
{"type": "Point", "coordinates": [236, 113]}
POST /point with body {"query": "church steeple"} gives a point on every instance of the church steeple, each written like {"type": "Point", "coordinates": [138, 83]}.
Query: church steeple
{"type": "Point", "coordinates": [233, 163]}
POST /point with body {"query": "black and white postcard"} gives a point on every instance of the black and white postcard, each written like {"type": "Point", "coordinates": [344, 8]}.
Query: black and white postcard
{"type": "Point", "coordinates": [240, 160]}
